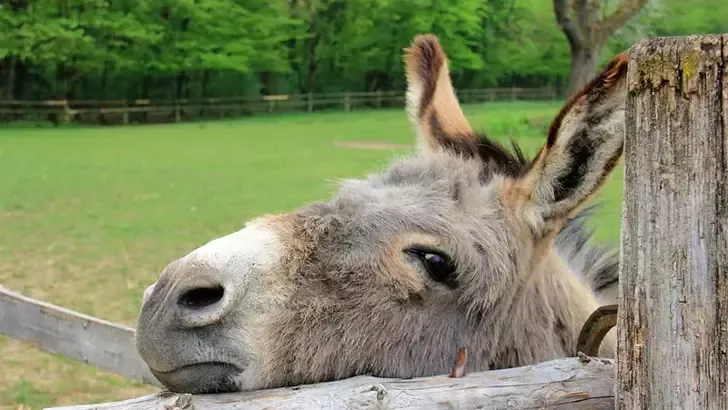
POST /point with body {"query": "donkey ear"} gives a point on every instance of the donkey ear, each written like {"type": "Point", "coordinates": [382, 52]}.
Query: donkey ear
{"type": "Point", "coordinates": [432, 106]}
{"type": "Point", "coordinates": [584, 144]}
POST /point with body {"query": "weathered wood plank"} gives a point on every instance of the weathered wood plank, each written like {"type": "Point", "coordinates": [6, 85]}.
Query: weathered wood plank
{"type": "Point", "coordinates": [74, 335]}
{"type": "Point", "coordinates": [673, 313]}
{"type": "Point", "coordinates": [568, 383]}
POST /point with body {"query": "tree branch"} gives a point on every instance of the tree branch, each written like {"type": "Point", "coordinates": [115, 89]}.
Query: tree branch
{"type": "Point", "coordinates": [625, 11]}
{"type": "Point", "coordinates": [567, 25]}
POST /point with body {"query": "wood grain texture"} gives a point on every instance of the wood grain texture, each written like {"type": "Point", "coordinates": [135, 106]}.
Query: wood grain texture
{"type": "Point", "coordinates": [74, 335]}
{"type": "Point", "coordinates": [568, 383]}
{"type": "Point", "coordinates": [673, 313]}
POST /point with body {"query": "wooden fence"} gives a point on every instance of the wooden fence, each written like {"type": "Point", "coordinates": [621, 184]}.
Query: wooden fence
{"type": "Point", "coordinates": [111, 347]}
{"type": "Point", "coordinates": [74, 335]}
{"type": "Point", "coordinates": [673, 311]}
{"type": "Point", "coordinates": [156, 111]}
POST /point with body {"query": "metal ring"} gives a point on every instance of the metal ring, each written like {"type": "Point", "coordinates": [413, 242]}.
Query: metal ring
{"type": "Point", "coordinates": [595, 329]}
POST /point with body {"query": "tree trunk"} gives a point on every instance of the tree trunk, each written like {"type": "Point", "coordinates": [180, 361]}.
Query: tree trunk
{"type": "Point", "coordinates": [61, 82]}
{"type": "Point", "coordinates": [21, 75]}
{"type": "Point", "coordinates": [264, 80]}
{"type": "Point", "coordinates": [104, 92]}
{"type": "Point", "coordinates": [311, 80]}
{"type": "Point", "coordinates": [204, 83]}
{"type": "Point", "coordinates": [10, 64]}
{"type": "Point", "coordinates": [145, 95]}
{"type": "Point", "coordinates": [179, 85]}
{"type": "Point", "coordinates": [7, 68]}
{"type": "Point", "coordinates": [311, 49]}
{"type": "Point", "coordinates": [203, 90]}
{"type": "Point", "coordinates": [673, 314]}
{"type": "Point", "coordinates": [583, 66]}
{"type": "Point", "coordinates": [61, 90]}
{"type": "Point", "coordinates": [588, 32]}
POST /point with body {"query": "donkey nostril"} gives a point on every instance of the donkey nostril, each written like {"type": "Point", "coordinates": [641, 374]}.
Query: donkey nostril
{"type": "Point", "coordinates": [201, 297]}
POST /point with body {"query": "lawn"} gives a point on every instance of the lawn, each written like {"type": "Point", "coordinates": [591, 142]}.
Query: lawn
{"type": "Point", "coordinates": [90, 216]}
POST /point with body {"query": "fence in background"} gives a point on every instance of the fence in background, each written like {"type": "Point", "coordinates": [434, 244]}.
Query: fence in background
{"type": "Point", "coordinates": [163, 111]}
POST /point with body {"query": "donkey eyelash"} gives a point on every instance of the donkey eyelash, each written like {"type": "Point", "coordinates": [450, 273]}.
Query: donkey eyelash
{"type": "Point", "coordinates": [438, 265]}
{"type": "Point", "coordinates": [418, 249]}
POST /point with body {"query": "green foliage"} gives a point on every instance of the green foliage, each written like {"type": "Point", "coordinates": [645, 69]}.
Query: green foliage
{"type": "Point", "coordinates": [671, 18]}
{"type": "Point", "coordinates": [88, 49]}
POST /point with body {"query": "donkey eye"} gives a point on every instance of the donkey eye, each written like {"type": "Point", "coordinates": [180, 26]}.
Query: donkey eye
{"type": "Point", "coordinates": [439, 266]}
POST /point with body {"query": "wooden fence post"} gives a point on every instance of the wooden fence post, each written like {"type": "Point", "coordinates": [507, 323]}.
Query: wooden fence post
{"type": "Point", "coordinates": [673, 311]}
{"type": "Point", "coordinates": [347, 103]}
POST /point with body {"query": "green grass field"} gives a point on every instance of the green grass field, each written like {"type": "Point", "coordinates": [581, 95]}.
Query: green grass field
{"type": "Point", "coordinates": [90, 216]}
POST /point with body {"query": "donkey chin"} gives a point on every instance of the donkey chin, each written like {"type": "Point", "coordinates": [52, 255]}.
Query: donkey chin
{"type": "Point", "coordinates": [211, 377]}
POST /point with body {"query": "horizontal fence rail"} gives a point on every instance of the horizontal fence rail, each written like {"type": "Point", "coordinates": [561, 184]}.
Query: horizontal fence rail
{"type": "Point", "coordinates": [156, 111]}
{"type": "Point", "coordinates": [80, 337]}
{"type": "Point", "coordinates": [568, 383]}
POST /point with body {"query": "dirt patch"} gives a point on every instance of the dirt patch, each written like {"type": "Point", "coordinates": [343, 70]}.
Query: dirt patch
{"type": "Point", "coordinates": [375, 145]}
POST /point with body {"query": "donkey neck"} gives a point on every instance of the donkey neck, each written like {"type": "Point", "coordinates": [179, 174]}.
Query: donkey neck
{"type": "Point", "coordinates": [544, 317]}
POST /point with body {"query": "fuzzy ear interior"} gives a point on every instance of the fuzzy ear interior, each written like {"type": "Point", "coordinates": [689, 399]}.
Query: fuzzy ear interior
{"type": "Point", "coordinates": [584, 144]}
{"type": "Point", "coordinates": [432, 106]}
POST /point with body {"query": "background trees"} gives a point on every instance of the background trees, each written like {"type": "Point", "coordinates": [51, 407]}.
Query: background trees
{"type": "Point", "coordinates": [114, 49]}
{"type": "Point", "coordinates": [587, 25]}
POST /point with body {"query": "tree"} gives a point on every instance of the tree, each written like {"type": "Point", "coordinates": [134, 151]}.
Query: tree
{"type": "Point", "coordinates": [166, 49]}
{"type": "Point", "coordinates": [587, 32]}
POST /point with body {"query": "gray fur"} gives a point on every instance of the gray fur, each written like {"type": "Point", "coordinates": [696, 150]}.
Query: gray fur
{"type": "Point", "coordinates": [342, 316]}
{"type": "Point", "coordinates": [331, 290]}
{"type": "Point", "coordinates": [597, 264]}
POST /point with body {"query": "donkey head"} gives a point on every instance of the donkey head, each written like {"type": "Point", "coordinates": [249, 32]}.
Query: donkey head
{"type": "Point", "coordinates": [461, 245]}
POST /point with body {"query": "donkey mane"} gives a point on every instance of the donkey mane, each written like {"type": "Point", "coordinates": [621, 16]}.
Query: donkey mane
{"type": "Point", "coordinates": [596, 264]}
{"type": "Point", "coordinates": [495, 156]}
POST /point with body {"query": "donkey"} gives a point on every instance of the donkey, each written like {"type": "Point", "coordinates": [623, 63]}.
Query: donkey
{"type": "Point", "coordinates": [465, 244]}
